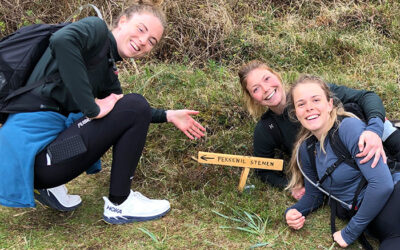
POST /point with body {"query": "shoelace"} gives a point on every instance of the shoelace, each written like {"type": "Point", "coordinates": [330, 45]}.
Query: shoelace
{"type": "Point", "coordinates": [140, 196]}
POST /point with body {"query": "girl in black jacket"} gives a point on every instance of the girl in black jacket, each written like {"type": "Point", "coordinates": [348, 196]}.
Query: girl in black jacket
{"type": "Point", "coordinates": [264, 91]}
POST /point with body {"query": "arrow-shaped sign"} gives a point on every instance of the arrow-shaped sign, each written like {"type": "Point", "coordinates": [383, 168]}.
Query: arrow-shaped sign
{"type": "Point", "coordinates": [240, 161]}
{"type": "Point", "coordinates": [205, 158]}
{"type": "Point", "coordinates": [246, 162]}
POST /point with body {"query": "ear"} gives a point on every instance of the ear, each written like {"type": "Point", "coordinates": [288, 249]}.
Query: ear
{"type": "Point", "coordinates": [122, 20]}
{"type": "Point", "coordinates": [330, 105]}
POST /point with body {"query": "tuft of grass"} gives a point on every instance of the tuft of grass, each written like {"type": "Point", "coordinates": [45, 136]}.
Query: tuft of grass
{"type": "Point", "coordinates": [254, 224]}
{"type": "Point", "coordinates": [159, 243]}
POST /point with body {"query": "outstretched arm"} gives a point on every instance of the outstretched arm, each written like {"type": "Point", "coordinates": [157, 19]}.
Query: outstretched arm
{"type": "Point", "coordinates": [183, 120]}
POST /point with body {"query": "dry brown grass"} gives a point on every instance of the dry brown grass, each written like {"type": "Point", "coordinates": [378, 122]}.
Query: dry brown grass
{"type": "Point", "coordinates": [198, 29]}
{"type": "Point", "coordinates": [201, 30]}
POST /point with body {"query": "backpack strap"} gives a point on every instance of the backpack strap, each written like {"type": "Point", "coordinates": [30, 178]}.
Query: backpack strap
{"type": "Point", "coordinates": [340, 151]}
{"type": "Point", "coordinates": [310, 143]}
{"type": "Point", "coordinates": [29, 87]}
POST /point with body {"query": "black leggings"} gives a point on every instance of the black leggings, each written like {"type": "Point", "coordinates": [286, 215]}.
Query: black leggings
{"type": "Point", "coordinates": [124, 128]}
{"type": "Point", "coordinates": [386, 226]}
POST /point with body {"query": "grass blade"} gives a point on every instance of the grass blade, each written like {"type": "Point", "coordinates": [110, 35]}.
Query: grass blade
{"type": "Point", "coordinates": [150, 234]}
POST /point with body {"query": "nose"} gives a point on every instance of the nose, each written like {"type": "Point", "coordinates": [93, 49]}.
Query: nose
{"type": "Point", "coordinates": [264, 88]}
{"type": "Point", "coordinates": [143, 39]}
{"type": "Point", "coordinates": [309, 106]}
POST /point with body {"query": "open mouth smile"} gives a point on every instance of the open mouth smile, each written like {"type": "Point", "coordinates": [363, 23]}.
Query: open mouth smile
{"type": "Point", "coordinates": [312, 117]}
{"type": "Point", "coordinates": [271, 95]}
{"type": "Point", "coordinates": [136, 48]}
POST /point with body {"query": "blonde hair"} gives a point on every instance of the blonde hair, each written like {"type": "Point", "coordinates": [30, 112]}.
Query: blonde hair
{"type": "Point", "coordinates": [296, 178]}
{"type": "Point", "coordinates": [140, 7]}
{"type": "Point", "coordinates": [254, 108]}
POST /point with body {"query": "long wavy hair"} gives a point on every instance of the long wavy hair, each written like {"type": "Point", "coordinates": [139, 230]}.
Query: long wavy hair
{"type": "Point", "coordinates": [254, 108]}
{"type": "Point", "coordinates": [296, 178]}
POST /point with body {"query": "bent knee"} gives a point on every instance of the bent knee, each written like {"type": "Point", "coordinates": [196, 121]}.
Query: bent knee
{"type": "Point", "coordinates": [137, 105]}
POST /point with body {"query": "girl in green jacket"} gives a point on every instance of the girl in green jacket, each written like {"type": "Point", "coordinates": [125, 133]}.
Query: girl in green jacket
{"type": "Point", "coordinates": [110, 118]}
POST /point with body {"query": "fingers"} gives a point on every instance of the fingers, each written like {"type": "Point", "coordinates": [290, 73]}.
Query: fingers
{"type": "Point", "coordinates": [295, 219]}
{"type": "Point", "coordinates": [192, 133]}
{"type": "Point", "coordinates": [376, 159]}
{"type": "Point", "coordinates": [384, 157]}
{"type": "Point", "coordinates": [119, 96]}
{"type": "Point", "coordinates": [199, 126]}
{"type": "Point", "coordinates": [361, 142]}
{"type": "Point", "coordinates": [188, 134]}
{"type": "Point", "coordinates": [369, 153]}
{"type": "Point", "coordinates": [370, 145]}
{"type": "Point", "coordinates": [195, 132]}
{"type": "Point", "coordinates": [337, 236]}
{"type": "Point", "coordinates": [196, 129]}
{"type": "Point", "coordinates": [107, 104]}
{"type": "Point", "coordinates": [192, 112]}
{"type": "Point", "coordinates": [297, 223]}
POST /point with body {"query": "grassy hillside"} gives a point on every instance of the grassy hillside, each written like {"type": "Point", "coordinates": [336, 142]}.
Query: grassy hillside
{"type": "Point", "coordinates": [355, 43]}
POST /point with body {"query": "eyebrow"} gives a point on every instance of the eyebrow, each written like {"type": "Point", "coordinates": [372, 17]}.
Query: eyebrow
{"type": "Point", "coordinates": [262, 78]}
{"type": "Point", "coordinates": [303, 99]}
{"type": "Point", "coordinates": [148, 30]}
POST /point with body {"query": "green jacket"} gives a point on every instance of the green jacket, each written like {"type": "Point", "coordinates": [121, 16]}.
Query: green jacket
{"type": "Point", "coordinates": [77, 53]}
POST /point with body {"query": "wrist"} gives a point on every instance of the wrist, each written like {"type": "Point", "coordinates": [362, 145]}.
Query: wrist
{"type": "Point", "coordinates": [168, 115]}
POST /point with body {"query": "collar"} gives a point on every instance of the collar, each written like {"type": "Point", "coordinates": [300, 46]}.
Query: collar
{"type": "Point", "coordinates": [114, 48]}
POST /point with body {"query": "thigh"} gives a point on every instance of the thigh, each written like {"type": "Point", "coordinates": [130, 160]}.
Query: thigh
{"type": "Point", "coordinates": [93, 137]}
{"type": "Point", "coordinates": [390, 244]}
{"type": "Point", "coordinates": [70, 154]}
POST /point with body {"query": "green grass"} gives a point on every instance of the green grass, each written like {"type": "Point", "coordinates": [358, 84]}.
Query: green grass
{"type": "Point", "coordinates": [352, 44]}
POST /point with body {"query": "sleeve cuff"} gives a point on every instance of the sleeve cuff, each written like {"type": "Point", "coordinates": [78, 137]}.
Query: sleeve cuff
{"type": "Point", "coordinates": [345, 237]}
{"type": "Point", "coordinates": [158, 115]}
{"type": "Point", "coordinates": [375, 125]}
{"type": "Point", "coordinates": [95, 112]}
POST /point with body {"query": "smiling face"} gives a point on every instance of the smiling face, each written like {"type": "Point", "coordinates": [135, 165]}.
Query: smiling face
{"type": "Point", "coordinates": [265, 88]}
{"type": "Point", "coordinates": [312, 107]}
{"type": "Point", "coordinates": [137, 35]}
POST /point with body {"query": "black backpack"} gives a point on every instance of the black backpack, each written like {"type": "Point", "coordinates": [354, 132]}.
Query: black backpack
{"type": "Point", "coordinates": [19, 54]}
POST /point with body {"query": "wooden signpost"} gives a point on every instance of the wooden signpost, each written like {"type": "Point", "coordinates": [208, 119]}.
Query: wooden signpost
{"type": "Point", "coordinates": [245, 162]}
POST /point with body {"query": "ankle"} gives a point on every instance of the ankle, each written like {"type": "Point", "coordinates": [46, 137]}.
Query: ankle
{"type": "Point", "coordinates": [117, 200]}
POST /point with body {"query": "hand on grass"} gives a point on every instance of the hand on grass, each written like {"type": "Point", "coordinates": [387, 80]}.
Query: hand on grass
{"type": "Point", "coordinates": [337, 236]}
{"type": "Point", "coordinates": [295, 219]}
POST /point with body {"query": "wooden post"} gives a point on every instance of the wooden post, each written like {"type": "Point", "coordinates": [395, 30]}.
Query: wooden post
{"type": "Point", "coordinates": [243, 179]}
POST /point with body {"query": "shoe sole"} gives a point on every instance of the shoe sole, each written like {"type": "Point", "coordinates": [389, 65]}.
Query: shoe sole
{"type": "Point", "coordinates": [130, 219]}
{"type": "Point", "coordinates": [53, 205]}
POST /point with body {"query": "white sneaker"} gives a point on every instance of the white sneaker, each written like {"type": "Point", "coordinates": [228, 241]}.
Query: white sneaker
{"type": "Point", "coordinates": [58, 198]}
{"type": "Point", "coordinates": [136, 207]}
